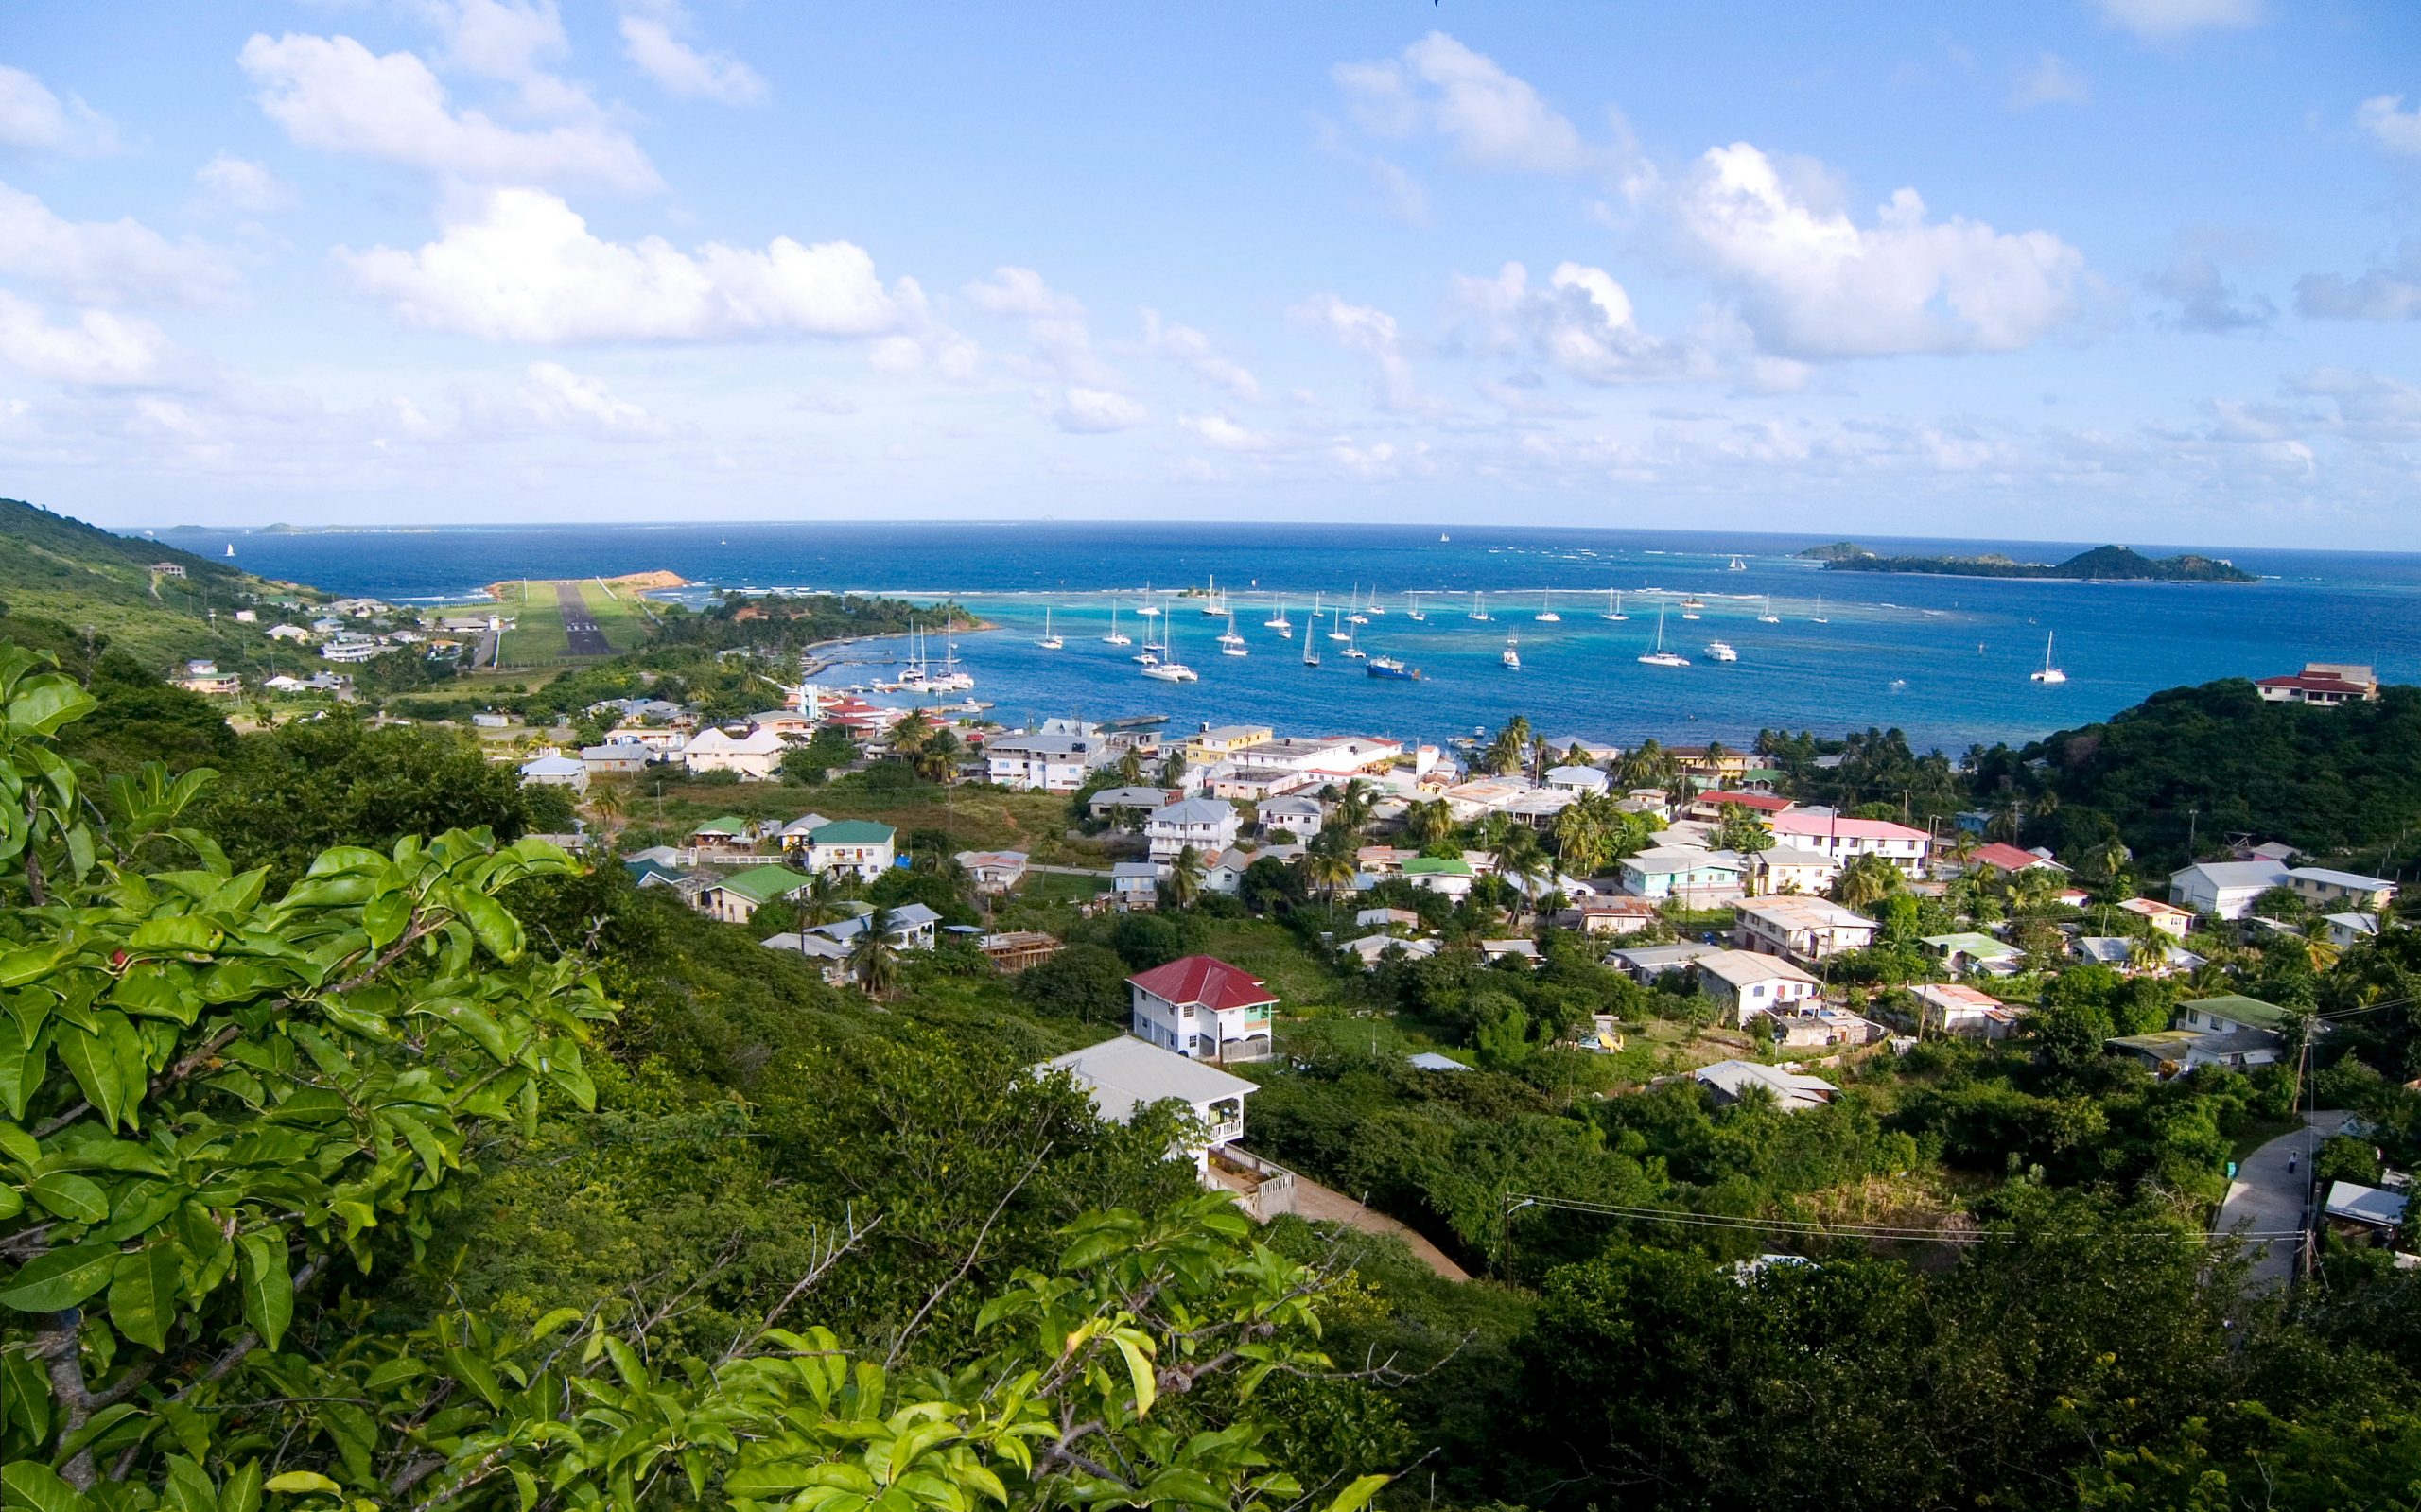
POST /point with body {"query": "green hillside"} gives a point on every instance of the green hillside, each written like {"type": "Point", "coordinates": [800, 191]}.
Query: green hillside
{"type": "Point", "coordinates": [120, 588]}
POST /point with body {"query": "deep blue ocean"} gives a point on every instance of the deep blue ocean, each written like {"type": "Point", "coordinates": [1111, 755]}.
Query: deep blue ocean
{"type": "Point", "coordinates": [1943, 658]}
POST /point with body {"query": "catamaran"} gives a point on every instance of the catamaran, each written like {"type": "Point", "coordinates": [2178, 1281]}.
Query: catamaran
{"type": "Point", "coordinates": [1231, 644]}
{"type": "Point", "coordinates": [1770, 617]}
{"type": "Point", "coordinates": [1479, 605]}
{"type": "Point", "coordinates": [1511, 654]}
{"type": "Point", "coordinates": [1546, 615]}
{"type": "Point", "coordinates": [1374, 609]}
{"type": "Point", "coordinates": [1049, 640]}
{"type": "Point", "coordinates": [1660, 656]}
{"type": "Point", "coordinates": [1115, 637]}
{"type": "Point", "coordinates": [1354, 652]}
{"type": "Point", "coordinates": [1166, 668]}
{"type": "Point", "coordinates": [2048, 674]}
{"type": "Point", "coordinates": [1280, 623]}
{"type": "Point", "coordinates": [1614, 607]}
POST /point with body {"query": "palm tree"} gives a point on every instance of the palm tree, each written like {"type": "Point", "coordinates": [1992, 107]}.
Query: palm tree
{"type": "Point", "coordinates": [937, 758]}
{"type": "Point", "coordinates": [820, 903]}
{"type": "Point", "coordinates": [1865, 881]}
{"type": "Point", "coordinates": [1519, 858]}
{"type": "Point", "coordinates": [2319, 945]}
{"type": "Point", "coordinates": [1131, 767]}
{"type": "Point", "coordinates": [2109, 858]}
{"type": "Point", "coordinates": [1425, 823]}
{"type": "Point", "coordinates": [2033, 887]}
{"type": "Point", "coordinates": [1504, 754]}
{"type": "Point", "coordinates": [873, 960]}
{"type": "Point", "coordinates": [1580, 834]}
{"type": "Point", "coordinates": [1183, 884]}
{"type": "Point", "coordinates": [1327, 865]}
{"type": "Point", "coordinates": [908, 735]}
{"type": "Point", "coordinates": [1354, 804]}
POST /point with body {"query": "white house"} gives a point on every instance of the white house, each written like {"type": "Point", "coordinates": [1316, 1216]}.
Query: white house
{"type": "Point", "coordinates": [1731, 1080]}
{"type": "Point", "coordinates": [1577, 779]}
{"type": "Point", "coordinates": [1800, 929]}
{"type": "Point", "coordinates": [1207, 824]}
{"type": "Point", "coordinates": [1299, 816]}
{"type": "Point", "coordinates": [555, 771]}
{"type": "Point", "coordinates": [993, 871]}
{"type": "Point", "coordinates": [1745, 985]}
{"type": "Point", "coordinates": [1125, 1075]}
{"type": "Point", "coordinates": [616, 758]}
{"type": "Point", "coordinates": [1954, 1008]}
{"type": "Point", "coordinates": [757, 755]}
{"type": "Point", "coordinates": [2225, 888]}
{"type": "Point", "coordinates": [1842, 839]}
{"type": "Point", "coordinates": [1789, 869]}
{"type": "Point", "coordinates": [1044, 762]}
{"type": "Point", "coordinates": [1203, 1008]}
{"type": "Point", "coordinates": [859, 846]}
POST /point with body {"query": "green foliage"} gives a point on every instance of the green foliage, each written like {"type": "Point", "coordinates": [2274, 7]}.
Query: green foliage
{"type": "Point", "coordinates": [1086, 983]}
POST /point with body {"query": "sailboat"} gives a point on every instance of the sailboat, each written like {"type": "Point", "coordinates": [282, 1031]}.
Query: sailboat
{"type": "Point", "coordinates": [1374, 609]}
{"type": "Point", "coordinates": [1150, 654]}
{"type": "Point", "coordinates": [1691, 606]}
{"type": "Point", "coordinates": [230, 548]}
{"type": "Point", "coordinates": [1353, 606]}
{"type": "Point", "coordinates": [1819, 618]}
{"type": "Point", "coordinates": [1737, 566]}
{"type": "Point", "coordinates": [2048, 672]}
{"type": "Point", "coordinates": [1511, 654]}
{"type": "Point", "coordinates": [1049, 640]}
{"type": "Point", "coordinates": [1660, 656]}
{"type": "Point", "coordinates": [1336, 625]}
{"type": "Point", "coordinates": [1546, 615]}
{"type": "Point", "coordinates": [1311, 650]}
{"type": "Point", "coordinates": [1279, 623]}
{"type": "Point", "coordinates": [1414, 613]}
{"type": "Point", "coordinates": [1231, 644]}
{"type": "Point", "coordinates": [1354, 652]}
{"type": "Point", "coordinates": [1479, 606]}
{"type": "Point", "coordinates": [1214, 602]}
{"type": "Point", "coordinates": [1770, 617]}
{"type": "Point", "coordinates": [1614, 607]}
{"type": "Point", "coordinates": [1166, 668]}
{"type": "Point", "coordinates": [1115, 637]}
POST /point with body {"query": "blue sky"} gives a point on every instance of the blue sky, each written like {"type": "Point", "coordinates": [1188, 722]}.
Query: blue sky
{"type": "Point", "coordinates": [2145, 269]}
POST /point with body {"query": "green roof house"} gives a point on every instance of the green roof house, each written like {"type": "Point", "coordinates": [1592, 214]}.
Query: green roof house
{"type": "Point", "coordinates": [735, 898]}
{"type": "Point", "coordinates": [860, 848]}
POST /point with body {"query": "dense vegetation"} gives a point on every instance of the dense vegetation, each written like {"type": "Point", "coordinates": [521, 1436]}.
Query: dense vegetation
{"type": "Point", "coordinates": [2102, 563]}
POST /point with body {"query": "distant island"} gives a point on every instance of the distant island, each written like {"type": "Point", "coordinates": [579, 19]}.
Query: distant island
{"type": "Point", "coordinates": [2103, 563]}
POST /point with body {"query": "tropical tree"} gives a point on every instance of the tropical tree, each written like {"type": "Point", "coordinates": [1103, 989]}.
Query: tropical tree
{"type": "Point", "coordinates": [937, 758]}
{"type": "Point", "coordinates": [874, 956]}
{"type": "Point", "coordinates": [1583, 836]}
{"type": "Point", "coordinates": [908, 735]}
{"type": "Point", "coordinates": [1519, 857]}
{"type": "Point", "coordinates": [1866, 881]}
{"type": "Point", "coordinates": [1737, 829]}
{"type": "Point", "coordinates": [1183, 886]}
{"type": "Point", "coordinates": [1427, 822]}
{"type": "Point", "coordinates": [1172, 768]}
{"type": "Point", "coordinates": [610, 803]}
{"type": "Point", "coordinates": [1131, 766]}
{"type": "Point", "coordinates": [1328, 863]}
{"type": "Point", "coordinates": [1354, 803]}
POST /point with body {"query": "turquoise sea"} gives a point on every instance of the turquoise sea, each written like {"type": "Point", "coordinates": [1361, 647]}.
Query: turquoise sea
{"type": "Point", "coordinates": [1943, 658]}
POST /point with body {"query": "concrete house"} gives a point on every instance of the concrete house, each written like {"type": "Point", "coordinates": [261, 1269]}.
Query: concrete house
{"type": "Point", "coordinates": [1135, 884]}
{"type": "Point", "coordinates": [1044, 763]}
{"type": "Point", "coordinates": [1730, 1082]}
{"type": "Point", "coordinates": [1125, 1075]}
{"type": "Point", "coordinates": [1204, 1009]}
{"type": "Point", "coordinates": [1745, 985]}
{"type": "Point", "coordinates": [1577, 779]}
{"type": "Point", "coordinates": [1299, 816]}
{"type": "Point", "coordinates": [1207, 824]}
{"type": "Point", "coordinates": [1696, 878]}
{"type": "Point", "coordinates": [2323, 685]}
{"type": "Point", "coordinates": [1800, 929]}
{"type": "Point", "coordinates": [857, 846]}
{"type": "Point", "coordinates": [1951, 1008]}
{"type": "Point", "coordinates": [2326, 890]}
{"type": "Point", "coordinates": [616, 758]}
{"type": "Point", "coordinates": [736, 897]}
{"type": "Point", "coordinates": [1969, 952]}
{"type": "Point", "coordinates": [756, 757]}
{"type": "Point", "coordinates": [2232, 1031]}
{"type": "Point", "coordinates": [1787, 869]}
{"type": "Point", "coordinates": [555, 772]}
{"type": "Point", "coordinates": [1842, 839]}
{"type": "Point", "coordinates": [993, 871]}
{"type": "Point", "coordinates": [2225, 888]}
{"type": "Point", "coordinates": [1142, 802]}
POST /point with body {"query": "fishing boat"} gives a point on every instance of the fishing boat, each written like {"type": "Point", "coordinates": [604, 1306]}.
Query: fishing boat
{"type": "Point", "coordinates": [1390, 668]}
{"type": "Point", "coordinates": [1279, 623]}
{"type": "Point", "coordinates": [1721, 651]}
{"type": "Point", "coordinates": [1479, 605]}
{"type": "Point", "coordinates": [1049, 640]}
{"type": "Point", "coordinates": [1770, 617]}
{"type": "Point", "coordinates": [1737, 566]}
{"type": "Point", "coordinates": [1691, 606]}
{"type": "Point", "coordinates": [1511, 654]}
{"type": "Point", "coordinates": [1166, 668]}
{"type": "Point", "coordinates": [2047, 673]}
{"type": "Point", "coordinates": [1614, 607]}
{"type": "Point", "coordinates": [1546, 615]}
{"type": "Point", "coordinates": [1660, 656]}
{"type": "Point", "coordinates": [1115, 637]}
{"type": "Point", "coordinates": [1414, 613]}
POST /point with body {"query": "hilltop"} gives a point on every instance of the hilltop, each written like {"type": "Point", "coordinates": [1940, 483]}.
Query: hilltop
{"type": "Point", "coordinates": [2103, 563]}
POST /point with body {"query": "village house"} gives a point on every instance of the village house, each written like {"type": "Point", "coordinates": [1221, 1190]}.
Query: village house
{"type": "Point", "coordinates": [2348, 930]}
{"type": "Point", "coordinates": [734, 899]}
{"type": "Point", "coordinates": [993, 871]}
{"type": "Point", "coordinates": [909, 927]}
{"type": "Point", "coordinates": [857, 846]}
{"type": "Point", "coordinates": [1576, 779]}
{"type": "Point", "coordinates": [2226, 889]}
{"type": "Point", "coordinates": [1297, 815]}
{"type": "Point", "coordinates": [205, 677]}
{"type": "Point", "coordinates": [2324, 889]}
{"type": "Point", "coordinates": [554, 770]}
{"type": "Point", "coordinates": [1107, 804]}
{"type": "Point", "coordinates": [1210, 746]}
{"type": "Point", "coordinates": [1730, 1082]}
{"type": "Point", "coordinates": [1609, 914]}
{"type": "Point", "coordinates": [2167, 917]}
{"type": "Point", "coordinates": [1787, 869]}
{"type": "Point", "coordinates": [1207, 824]}
{"type": "Point", "coordinates": [1697, 879]}
{"type": "Point", "coordinates": [1204, 1009]}
{"type": "Point", "coordinates": [729, 835]}
{"type": "Point", "coordinates": [756, 757]}
{"type": "Point", "coordinates": [1709, 806]}
{"type": "Point", "coordinates": [1969, 952]}
{"type": "Point", "coordinates": [1645, 964]}
{"type": "Point", "coordinates": [1371, 949]}
{"type": "Point", "coordinates": [2129, 957]}
{"type": "Point", "coordinates": [1045, 762]}
{"type": "Point", "coordinates": [1800, 929]}
{"type": "Point", "coordinates": [2232, 1031]}
{"type": "Point", "coordinates": [2323, 685]}
{"type": "Point", "coordinates": [2370, 1215]}
{"type": "Point", "coordinates": [1135, 884]}
{"type": "Point", "coordinates": [1953, 1008]}
{"type": "Point", "coordinates": [1492, 952]}
{"type": "Point", "coordinates": [1744, 983]}
{"type": "Point", "coordinates": [793, 837]}
{"type": "Point", "coordinates": [1842, 839]}
{"type": "Point", "coordinates": [616, 758]}
{"type": "Point", "coordinates": [1445, 876]}
{"type": "Point", "coordinates": [2009, 859]}
{"type": "Point", "coordinates": [1706, 765]}
{"type": "Point", "coordinates": [1125, 1075]}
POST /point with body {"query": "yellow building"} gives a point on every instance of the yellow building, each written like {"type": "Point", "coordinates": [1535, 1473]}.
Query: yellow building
{"type": "Point", "coordinates": [1217, 743]}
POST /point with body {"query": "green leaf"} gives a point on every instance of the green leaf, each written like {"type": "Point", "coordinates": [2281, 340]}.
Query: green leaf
{"type": "Point", "coordinates": [31, 1484]}
{"type": "Point", "coordinates": [385, 917]}
{"type": "Point", "coordinates": [17, 1144]}
{"type": "Point", "coordinates": [300, 1481]}
{"type": "Point", "coordinates": [1139, 1371]}
{"type": "Point", "coordinates": [1355, 1497]}
{"type": "Point", "coordinates": [11, 1204]}
{"type": "Point", "coordinates": [183, 936]}
{"type": "Point", "coordinates": [143, 1294]}
{"type": "Point", "coordinates": [268, 1290]}
{"type": "Point", "coordinates": [44, 703]}
{"type": "Point", "coordinates": [69, 1196]}
{"type": "Point", "coordinates": [92, 1062]}
{"type": "Point", "coordinates": [60, 1278]}
{"type": "Point", "coordinates": [496, 929]}
{"type": "Point", "coordinates": [242, 1492]}
{"type": "Point", "coordinates": [188, 1489]}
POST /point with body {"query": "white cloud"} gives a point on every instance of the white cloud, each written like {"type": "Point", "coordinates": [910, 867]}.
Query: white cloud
{"type": "Point", "coordinates": [1061, 341]}
{"type": "Point", "coordinates": [2389, 290]}
{"type": "Point", "coordinates": [2371, 407]}
{"type": "Point", "coordinates": [1441, 88]}
{"type": "Point", "coordinates": [1021, 291]}
{"type": "Point", "coordinates": [555, 399]}
{"type": "Point", "coordinates": [99, 348]}
{"type": "Point", "coordinates": [106, 262]}
{"type": "Point", "coordinates": [34, 120]}
{"type": "Point", "coordinates": [653, 42]}
{"type": "Point", "coordinates": [1194, 351]}
{"type": "Point", "coordinates": [2206, 301]}
{"type": "Point", "coordinates": [1096, 411]}
{"type": "Point", "coordinates": [1369, 331]}
{"type": "Point", "coordinates": [497, 38]}
{"type": "Point", "coordinates": [1224, 433]}
{"type": "Point", "coordinates": [2051, 80]}
{"type": "Point", "coordinates": [242, 184]}
{"type": "Point", "coordinates": [2391, 126]}
{"type": "Point", "coordinates": [2166, 19]}
{"type": "Point", "coordinates": [1373, 464]}
{"type": "Point", "coordinates": [1580, 324]}
{"type": "Point", "coordinates": [527, 269]}
{"type": "Point", "coordinates": [1812, 284]}
{"type": "Point", "coordinates": [333, 95]}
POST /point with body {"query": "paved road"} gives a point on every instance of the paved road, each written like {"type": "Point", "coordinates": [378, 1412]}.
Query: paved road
{"type": "Point", "coordinates": [2266, 1199]}
{"type": "Point", "coordinates": [1323, 1204]}
{"type": "Point", "coordinates": [581, 634]}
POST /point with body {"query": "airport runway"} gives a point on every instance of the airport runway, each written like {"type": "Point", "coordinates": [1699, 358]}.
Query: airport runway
{"type": "Point", "coordinates": [581, 634]}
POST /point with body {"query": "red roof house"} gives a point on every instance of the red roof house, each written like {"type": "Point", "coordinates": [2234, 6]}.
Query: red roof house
{"type": "Point", "coordinates": [1202, 1007]}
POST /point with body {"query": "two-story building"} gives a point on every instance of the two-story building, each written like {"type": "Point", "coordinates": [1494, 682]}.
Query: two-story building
{"type": "Point", "coordinates": [2323, 685]}
{"type": "Point", "coordinates": [1697, 879]}
{"type": "Point", "coordinates": [2327, 890]}
{"type": "Point", "coordinates": [1745, 984]}
{"type": "Point", "coordinates": [1800, 929]}
{"type": "Point", "coordinates": [1785, 869]}
{"type": "Point", "coordinates": [736, 897]}
{"type": "Point", "coordinates": [857, 846]}
{"type": "Point", "coordinates": [1295, 813]}
{"type": "Point", "coordinates": [756, 757]}
{"type": "Point", "coordinates": [1125, 1075]}
{"type": "Point", "coordinates": [1207, 824]}
{"type": "Point", "coordinates": [1954, 1008]}
{"type": "Point", "coordinates": [1841, 838]}
{"type": "Point", "coordinates": [2231, 1031]}
{"type": "Point", "coordinates": [2225, 888]}
{"type": "Point", "coordinates": [1045, 762]}
{"type": "Point", "coordinates": [1204, 1009]}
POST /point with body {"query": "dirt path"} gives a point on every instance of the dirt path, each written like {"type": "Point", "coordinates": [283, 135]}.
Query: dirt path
{"type": "Point", "coordinates": [1320, 1204]}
